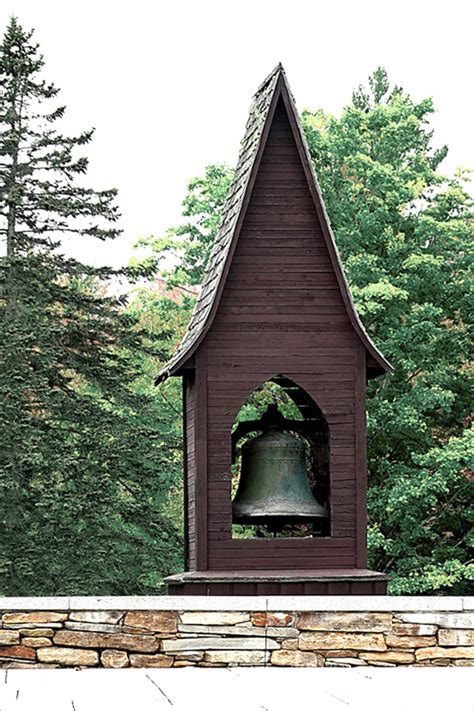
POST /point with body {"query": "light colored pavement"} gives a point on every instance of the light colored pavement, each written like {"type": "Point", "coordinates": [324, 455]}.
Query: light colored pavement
{"type": "Point", "coordinates": [238, 689]}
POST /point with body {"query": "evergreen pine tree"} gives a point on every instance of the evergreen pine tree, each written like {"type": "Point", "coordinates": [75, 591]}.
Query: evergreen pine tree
{"type": "Point", "coordinates": [83, 472]}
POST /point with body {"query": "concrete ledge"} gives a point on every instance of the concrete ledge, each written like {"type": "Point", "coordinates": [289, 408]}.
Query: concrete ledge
{"type": "Point", "coordinates": [303, 603]}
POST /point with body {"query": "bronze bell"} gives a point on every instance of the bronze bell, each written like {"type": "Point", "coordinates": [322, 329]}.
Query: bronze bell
{"type": "Point", "coordinates": [274, 484]}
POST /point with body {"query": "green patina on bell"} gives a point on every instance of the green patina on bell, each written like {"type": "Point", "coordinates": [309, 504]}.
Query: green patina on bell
{"type": "Point", "coordinates": [274, 484]}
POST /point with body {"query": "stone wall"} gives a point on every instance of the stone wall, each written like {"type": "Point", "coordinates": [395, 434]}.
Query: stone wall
{"type": "Point", "coordinates": [214, 632]}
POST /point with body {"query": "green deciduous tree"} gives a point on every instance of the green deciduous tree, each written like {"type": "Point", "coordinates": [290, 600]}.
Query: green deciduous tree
{"type": "Point", "coordinates": [405, 234]}
{"type": "Point", "coordinates": [84, 471]}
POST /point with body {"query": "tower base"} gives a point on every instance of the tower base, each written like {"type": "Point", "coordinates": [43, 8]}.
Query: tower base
{"type": "Point", "coordinates": [278, 582]}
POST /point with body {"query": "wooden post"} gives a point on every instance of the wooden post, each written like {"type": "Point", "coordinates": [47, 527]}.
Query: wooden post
{"type": "Point", "coordinates": [201, 459]}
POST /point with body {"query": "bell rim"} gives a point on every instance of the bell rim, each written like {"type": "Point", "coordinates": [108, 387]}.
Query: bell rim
{"type": "Point", "coordinates": [280, 519]}
{"type": "Point", "coordinates": [281, 515]}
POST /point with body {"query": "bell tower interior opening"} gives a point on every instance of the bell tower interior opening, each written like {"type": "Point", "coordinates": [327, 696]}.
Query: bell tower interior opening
{"type": "Point", "coordinates": [280, 464]}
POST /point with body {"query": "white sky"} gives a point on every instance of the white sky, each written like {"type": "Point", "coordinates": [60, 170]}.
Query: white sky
{"type": "Point", "coordinates": [167, 84]}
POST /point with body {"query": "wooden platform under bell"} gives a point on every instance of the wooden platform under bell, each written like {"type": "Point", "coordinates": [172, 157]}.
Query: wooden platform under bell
{"type": "Point", "coordinates": [267, 582]}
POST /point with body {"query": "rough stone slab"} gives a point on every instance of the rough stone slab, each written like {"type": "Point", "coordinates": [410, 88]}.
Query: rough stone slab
{"type": "Point", "coordinates": [341, 640]}
{"type": "Point", "coordinates": [214, 618]}
{"type": "Point", "coordinates": [106, 617]}
{"type": "Point", "coordinates": [456, 637]}
{"type": "Point", "coordinates": [468, 603]}
{"type": "Point", "coordinates": [445, 653]}
{"type": "Point", "coordinates": [345, 661]}
{"type": "Point", "coordinates": [135, 643]}
{"type": "Point", "coordinates": [389, 657]}
{"type": "Point", "coordinates": [405, 628]}
{"type": "Point", "coordinates": [114, 659]}
{"type": "Point", "coordinates": [240, 658]}
{"type": "Point", "coordinates": [239, 631]}
{"type": "Point", "coordinates": [289, 644]}
{"type": "Point", "coordinates": [33, 626]}
{"type": "Point", "coordinates": [36, 642]}
{"type": "Point", "coordinates": [461, 620]}
{"type": "Point", "coordinates": [39, 616]}
{"type": "Point", "coordinates": [272, 619]}
{"type": "Point", "coordinates": [297, 658]}
{"type": "Point", "coordinates": [336, 653]}
{"type": "Point", "coordinates": [346, 621]}
{"type": "Point", "coordinates": [339, 666]}
{"type": "Point", "coordinates": [17, 652]}
{"type": "Point", "coordinates": [410, 641]}
{"type": "Point", "coordinates": [9, 637]}
{"type": "Point", "coordinates": [211, 643]}
{"type": "Point", "coordinates": [227, 630]}
{"type": "Point", "coordinates": [152, 620]}
{"type": "Point", "coordinates": [463, 662]}
{"type": "Point", "coordinates": [150, 660]}
{"type": "Point", "coordinates": [382, 664]}
{"type": "Point", "coordinates": [69, 657]}
{"type": "Point", "coordinates": [282, 632]}
{"type": "Point", "coordinates": [36, 631]}
{"type": "Point", "coordinates": [27, 665]}
{"type": "Point", "coordinates": [93, 627]}
{"type": "Point", "coordinates": [189, 656]}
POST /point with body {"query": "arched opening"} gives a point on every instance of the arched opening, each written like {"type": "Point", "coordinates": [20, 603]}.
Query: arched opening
{"type": "Point", "coordinates": [280, 464]}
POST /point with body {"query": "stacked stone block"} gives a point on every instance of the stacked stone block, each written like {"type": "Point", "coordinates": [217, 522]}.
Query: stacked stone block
{"type": "Point", "coordinates": [174, 638]}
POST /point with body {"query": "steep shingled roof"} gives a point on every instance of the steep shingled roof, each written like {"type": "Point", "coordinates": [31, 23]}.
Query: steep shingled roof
{"type": "Point", "coordinates": [261, 110]}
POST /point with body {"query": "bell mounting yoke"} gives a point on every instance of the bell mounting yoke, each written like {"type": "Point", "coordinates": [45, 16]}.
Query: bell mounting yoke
{"type": "Point", "coordinates": [272, 418]}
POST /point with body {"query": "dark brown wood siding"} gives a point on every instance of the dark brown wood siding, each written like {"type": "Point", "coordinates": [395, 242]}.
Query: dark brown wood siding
{"type": "Point", "coordinates": [281, 311]}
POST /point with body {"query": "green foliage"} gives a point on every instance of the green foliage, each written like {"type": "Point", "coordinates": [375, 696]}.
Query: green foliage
{"type": "Point", "coordinates": [427, 522]}
{"type": "Point", "coordinates": [404, 231]}
{"type": "Point", "coordinates": [84, 471]}
{"type": "Point", "coordinates": [163, 311]}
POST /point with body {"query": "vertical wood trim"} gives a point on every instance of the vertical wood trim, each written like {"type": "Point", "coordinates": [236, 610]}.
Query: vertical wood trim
{"type": "Point", "coordinates": [200, 415]}
{"type": "Point", "coordinates": [185, 475]}
{"type": "Point", "coordinates": [361, 457]}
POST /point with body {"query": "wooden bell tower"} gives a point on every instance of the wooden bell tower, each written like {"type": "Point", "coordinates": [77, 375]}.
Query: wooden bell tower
{"type": "Point", "coordinates": [275, 307]}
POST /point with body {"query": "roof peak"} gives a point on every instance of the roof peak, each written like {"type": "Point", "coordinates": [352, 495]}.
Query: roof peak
{"type": "Point", "coordinates": [279, 69]}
